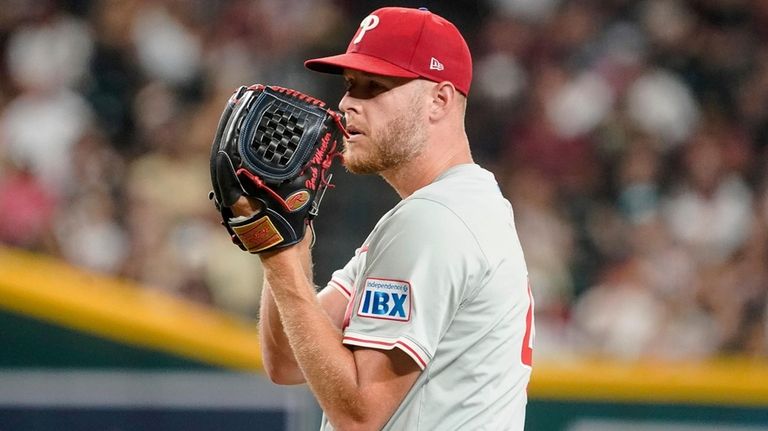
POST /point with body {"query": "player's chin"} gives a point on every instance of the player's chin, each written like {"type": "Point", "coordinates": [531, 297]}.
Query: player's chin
{"type": "Point", "coordinates": [356, 163]}
{"type": "Point", "coordinates": [351, 163]}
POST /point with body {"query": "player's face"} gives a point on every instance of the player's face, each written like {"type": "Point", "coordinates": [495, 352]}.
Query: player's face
{"type": "Point", "coordinates": [385, 120]}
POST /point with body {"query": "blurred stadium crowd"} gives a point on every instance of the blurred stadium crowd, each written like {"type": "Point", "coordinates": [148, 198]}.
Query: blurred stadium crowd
{"type": "Point", "coordinates": [630, 137]}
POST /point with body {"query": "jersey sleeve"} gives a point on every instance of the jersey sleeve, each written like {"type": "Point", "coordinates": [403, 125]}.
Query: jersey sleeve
{"type": "Point", "coordinates": [343, 279]}
{"type": "Point", "coordinates": [418, 266]}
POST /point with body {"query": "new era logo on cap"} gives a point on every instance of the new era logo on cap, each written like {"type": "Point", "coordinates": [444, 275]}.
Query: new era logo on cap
{"type": "Point", "coordinates": [434, 64]}
{"type": "Point", "coordinates": [406, 43]}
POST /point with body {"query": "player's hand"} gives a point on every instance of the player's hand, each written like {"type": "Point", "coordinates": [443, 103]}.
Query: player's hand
{"type": "Point", "coordinates": [275, 145]}
{"type": "Point", "coordinates": [245, 207]}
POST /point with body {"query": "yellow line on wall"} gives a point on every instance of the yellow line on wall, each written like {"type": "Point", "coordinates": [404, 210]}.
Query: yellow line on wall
{"type": "Point", "coordinates": [728, 381]}
{"type": "Point", "coordinates": [47, 289]}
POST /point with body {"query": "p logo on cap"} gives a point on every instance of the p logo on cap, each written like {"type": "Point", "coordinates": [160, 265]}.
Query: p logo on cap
{"type": "Point", "coordinates": [369, 23]}
{"type": "Point", "coordinates": [405, 43]}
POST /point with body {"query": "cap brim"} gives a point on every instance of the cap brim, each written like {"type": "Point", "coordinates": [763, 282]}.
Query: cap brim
{"type": "Point", "coordinates": [337, 63]}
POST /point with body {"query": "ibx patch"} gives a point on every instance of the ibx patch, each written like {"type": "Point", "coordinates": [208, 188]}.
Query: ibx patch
{"type": "Point", "coordinates": [386, 299]}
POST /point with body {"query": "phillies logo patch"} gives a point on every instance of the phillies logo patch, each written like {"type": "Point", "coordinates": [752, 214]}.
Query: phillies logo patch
{"type": "Point", "coordinates": [386, 299]}
{"type": "Point", "coordinates": [368, 23]}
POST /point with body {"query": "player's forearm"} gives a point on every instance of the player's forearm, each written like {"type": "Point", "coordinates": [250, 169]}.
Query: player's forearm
{"type": "Point", "coordinates": [328, 366]}
{"type": "Point", "coordinates": [277, 355]}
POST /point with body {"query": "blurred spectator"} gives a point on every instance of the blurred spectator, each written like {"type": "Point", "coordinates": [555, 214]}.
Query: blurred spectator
{"type": "Point", "coordinates": [546, 235]}
{"type": "Point", "coordinates": [89, 230]}
{"type": "Point", "coordinates": [711, 210]}
{"type": "Point", "coordinates": [639, 182]}
{"type": "Point", "coordinates": [662, 105]}
{"type": "Point", "coordinates": [27, 209]}
{"type": "Point", "coordinates": [165, 47]}
{"type": "Point", "coordinates": [46, 56]}
{"type": "Point", "coordinates": [619, 317]}
{"type": "Point", "coordinates": [547, 239]}
{"type": "Point", "coordinates": [40, 128]}
{"type": "Point", "coordinates": [50, 50]}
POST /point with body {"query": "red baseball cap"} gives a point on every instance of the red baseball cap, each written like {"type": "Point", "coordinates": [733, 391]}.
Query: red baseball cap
{"type": "Point", "coordinates": [407, 43]}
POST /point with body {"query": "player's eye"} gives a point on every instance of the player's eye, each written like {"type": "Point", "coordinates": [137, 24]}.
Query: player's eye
{"type": "Point", "coordinates": [376, 87]}
{"type": "Point", "coordinates": [364, 88]}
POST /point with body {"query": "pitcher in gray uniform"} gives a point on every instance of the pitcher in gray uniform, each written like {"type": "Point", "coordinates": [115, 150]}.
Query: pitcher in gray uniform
{"type": "Point", "coordinates": [430, 325]}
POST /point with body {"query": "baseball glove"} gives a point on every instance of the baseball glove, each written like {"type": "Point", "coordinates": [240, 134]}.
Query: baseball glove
{"type": "Point", "coordinates": [277, 146]}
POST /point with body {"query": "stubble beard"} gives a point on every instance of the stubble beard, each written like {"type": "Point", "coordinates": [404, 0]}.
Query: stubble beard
{"type": "Point", "coordinates": [403, 139]}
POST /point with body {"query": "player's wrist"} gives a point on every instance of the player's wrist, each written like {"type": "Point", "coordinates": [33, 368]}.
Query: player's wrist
{"type": "Point", "coordinates": [280, 259]}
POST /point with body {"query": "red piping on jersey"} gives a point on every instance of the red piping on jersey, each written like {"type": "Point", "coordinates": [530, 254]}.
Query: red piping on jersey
{"type": "Point", "coordinates": [526, 355]}
{"type": "Point", "coordinates": [398, 342]}
{"type": "Point", "coordinates": [341, 286]}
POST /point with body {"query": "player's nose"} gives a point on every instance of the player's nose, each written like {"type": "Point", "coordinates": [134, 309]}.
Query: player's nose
{"type": "Point", "coordinates": [344, 103]}
{"type": "Point", "coordinates": [349, 103]}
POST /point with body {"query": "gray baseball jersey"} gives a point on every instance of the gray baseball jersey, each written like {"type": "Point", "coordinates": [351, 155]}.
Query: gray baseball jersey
{"type": "Point", "coordinates": [442, 277]}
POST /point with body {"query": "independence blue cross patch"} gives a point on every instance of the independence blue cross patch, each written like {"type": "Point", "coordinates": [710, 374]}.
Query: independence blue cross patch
{"type": "Point", "coordinates": [386, 299]}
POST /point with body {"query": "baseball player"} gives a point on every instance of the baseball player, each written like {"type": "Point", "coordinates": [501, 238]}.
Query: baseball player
{"type": "Point", "coordinates": [429, 326]}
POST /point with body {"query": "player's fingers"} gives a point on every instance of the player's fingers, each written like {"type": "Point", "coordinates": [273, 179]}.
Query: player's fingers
{"type": "Point", "coordinates": [245, 207]}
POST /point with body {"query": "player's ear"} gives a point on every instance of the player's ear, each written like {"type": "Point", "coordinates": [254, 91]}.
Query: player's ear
{"type": "Point", "coordinates": [443, 100]}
